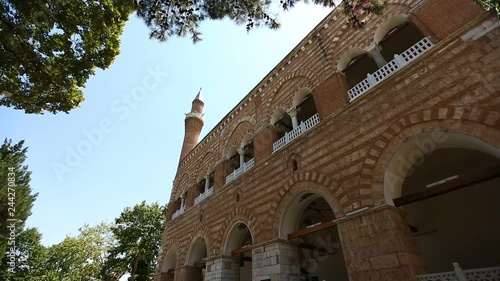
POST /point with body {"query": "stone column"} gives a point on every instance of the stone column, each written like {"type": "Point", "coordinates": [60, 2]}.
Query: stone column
{"type": "Point", "coordinates": [207, 182]}
{"type": "Point", "coordinates": [278, 261]}
{"type": "Point", "coordinates": [241, 152]}
{"type": "Point", "coordinates": [183, 200]}
{"type": "Point", "coordinates": [378, 245]}
{"type": "Point", "coordinates": [293, 114]}
{"type": "Point", "coordinates": [222, 268]}
{"type": "Point", "coordinates": [377, 57]}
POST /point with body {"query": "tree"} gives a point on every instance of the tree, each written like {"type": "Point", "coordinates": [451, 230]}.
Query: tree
{"type": "Point", "coordinates": [29, 258]}
{"type": "Point", "coordinates": [49, 49]}
{"type": "Point", "coordinates": [82, 257]}
{"type": "Point", "coordinates": [181, 18]}
{"type": "Point", "coordinates": [16, 197]}
{"type": "Point", "coordinates": [490, 5]}
{"type": "Point", "coordinates": [138, 232]}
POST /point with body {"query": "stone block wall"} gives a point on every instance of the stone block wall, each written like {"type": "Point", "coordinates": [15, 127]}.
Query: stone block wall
{"type": "Point", "coordinates": [277, 262]}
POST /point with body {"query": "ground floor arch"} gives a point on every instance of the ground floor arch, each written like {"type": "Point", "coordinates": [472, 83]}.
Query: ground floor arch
{"type": "Point", "coordinates": [169, 265]}
{"type": "Point", "coordinates": [194, 270]}
{"type": "Point", "coordinates": [308, 223]}
{"type": "Point", "coordinates": [238, 246]}
{"type": "Point", "coordinates": [447, 186]}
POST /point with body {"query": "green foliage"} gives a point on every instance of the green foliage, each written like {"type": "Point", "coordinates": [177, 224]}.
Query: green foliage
{"type": "Point", "coordinates": [181, 18]}
{"type": "Point", "coordinates": [138, 231]}
{"type": "Point", "coordinates": [16, 198]}
{"type": "Point", "coordinates": [490, 5]}
{"type": "Point", "coordinates": [82, 257]}
{"type": "Point", "coordinates": [29, 258]}
{"type": "Point", "coordinates": [102, 252]}
{"type": "Point", "coordinates": [49, 49]}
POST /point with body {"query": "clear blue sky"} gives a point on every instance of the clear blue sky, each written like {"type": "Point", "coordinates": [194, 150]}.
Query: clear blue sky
{"type": "Point", "coordinates": [122, 146]}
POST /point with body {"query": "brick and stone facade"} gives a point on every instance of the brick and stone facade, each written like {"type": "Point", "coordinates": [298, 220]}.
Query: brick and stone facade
{"type": "Point", "coordinates": [320, 207]}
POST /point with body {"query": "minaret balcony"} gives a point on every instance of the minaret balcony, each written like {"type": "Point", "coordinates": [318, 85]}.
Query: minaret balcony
{"type": "Point", "coordinates": [204, 195]}
{"type": "Point", "coordinates": [237, 172]}
{"type": "Point", "coordinates": [390, 68]}
{"type": "Point", "coordinates": [293, 134]}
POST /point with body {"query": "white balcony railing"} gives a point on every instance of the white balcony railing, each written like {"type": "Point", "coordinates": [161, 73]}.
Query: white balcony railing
{"type": "Point", "coordinates": [480, 274]}
{"type": "Point", "coordinates": [302, 128]}
{"type": "Point", "coordinates": [237, 172]}
{"type": "Point", "coordinates": [179, 212]}
{"type": "Point", "coordinates": [204, 195]}
{"type": "Point", "coordinates": [390, 68]}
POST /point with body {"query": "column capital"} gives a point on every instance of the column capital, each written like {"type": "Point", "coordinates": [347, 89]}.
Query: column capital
{"type": "Point", "coordinates": [240, 150]}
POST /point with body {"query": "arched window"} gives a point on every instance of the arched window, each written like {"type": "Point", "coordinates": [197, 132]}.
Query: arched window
{"type": "Point", "coordinates": [234, 160]}
{"type": "Point", "coordinates": [395, 35]}
{"type": "Point", "coordinates": [282, 122]}
{"type": "Point", "coordinates": [304, 104]}
{"type": "Point", "coordinates": [205, 187]}
{"type": "Point", "coordinates": [356, 64]}
{"type": "Point", "coordinates": [242, 160]}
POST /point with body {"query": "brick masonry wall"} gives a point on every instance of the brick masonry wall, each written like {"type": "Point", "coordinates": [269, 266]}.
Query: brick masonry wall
{"type": "Point", "coordinates": [454, 87]}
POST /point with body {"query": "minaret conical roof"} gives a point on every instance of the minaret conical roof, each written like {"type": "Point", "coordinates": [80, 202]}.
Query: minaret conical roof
{"type": "Point", "coordinates": [199, 96]}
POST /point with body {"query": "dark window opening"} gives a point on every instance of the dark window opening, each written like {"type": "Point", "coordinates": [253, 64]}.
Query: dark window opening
{"type": "Point", "coordinates": [248, 151]}
{"type": "Point", "coordinates": [306, 109]}
{"type": "Point", "coordinates": [211, 179]}
{"type": "Point", "coordinates": [358, 69]}
{"type": "Point", "coordinates": [284, 125]}
{"type": "Point", "coordinates": [201, 186]}
{"type": "Point", "coordinates": [234, 161]}
{"type": "Point", "coordinates": [398, 40]}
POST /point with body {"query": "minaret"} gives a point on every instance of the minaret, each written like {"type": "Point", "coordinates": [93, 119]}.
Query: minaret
{"type": "Point", "coordinates": [193, 125]}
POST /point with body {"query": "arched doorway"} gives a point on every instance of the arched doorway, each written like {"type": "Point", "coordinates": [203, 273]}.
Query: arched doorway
{"type": "Point", "coordinates": [239, 245]}
{"type": "Point", "coordinates": [195, 271]}
{"type": "Point", "coordinates": [307, 222]}
{"type": "Point", "coordinates": [448, 188]}
{"type": "Point", "coordinates": [169, 265]}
